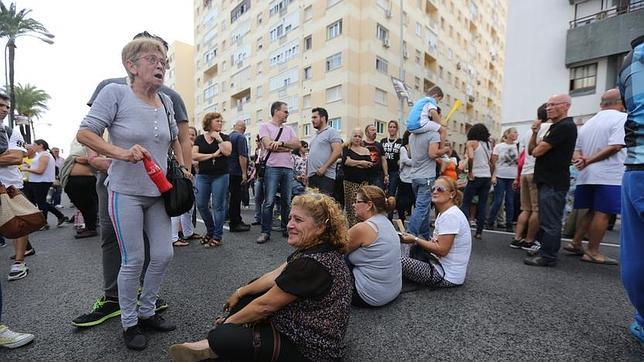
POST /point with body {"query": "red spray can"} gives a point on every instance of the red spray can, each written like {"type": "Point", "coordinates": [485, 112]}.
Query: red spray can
{"type": "Point", "coordinates": [156, 175]}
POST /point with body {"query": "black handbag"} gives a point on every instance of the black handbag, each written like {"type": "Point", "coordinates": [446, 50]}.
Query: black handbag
{"type": "Point", "coordinates": [261, 165]}
{"type": "Point", "coordinates": [418, 253]}
{"type": "Point", "coordinates": [181, 197]}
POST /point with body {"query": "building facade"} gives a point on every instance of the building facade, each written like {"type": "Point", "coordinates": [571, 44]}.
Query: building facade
{"type": "Point", "coordinates": [342, 55]}
{"type": "Point", "coordinates": [565, 46]}
{"type": "Point", "coordinates": [181, 75]}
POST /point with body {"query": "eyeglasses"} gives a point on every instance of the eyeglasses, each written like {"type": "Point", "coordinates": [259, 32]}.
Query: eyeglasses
{"type": "Point", "coordinates": [153, 60]}
{"type": "Point", "coordinates": [361, 202]}
{"type": "Point", "coordinates": [439, 189]}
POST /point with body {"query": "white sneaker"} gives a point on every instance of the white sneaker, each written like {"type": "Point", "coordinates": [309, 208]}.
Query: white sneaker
{"type": "Point", "coordinates": [11, 339]}
{"type": "Point", "coordinates": [18, 271]}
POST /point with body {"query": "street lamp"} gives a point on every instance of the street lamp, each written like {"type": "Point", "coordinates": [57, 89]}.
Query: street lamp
{"type": "Point", "coordinates": [10, 53]}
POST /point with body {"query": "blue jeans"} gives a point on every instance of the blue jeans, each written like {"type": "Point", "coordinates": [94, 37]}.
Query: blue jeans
{"type": "Point", "coordinates": [213, 187]}
{"type": "Point", "coordinates": [276, 178]}
{"type": "Point", "coordinates": [480, 187]}
{"type": "Point", "coordinates": [551, 207]}
{"type": "Point", "coordinates": [419, 220]}
{"type": "Point", "coordinates": [632, 249]}
{"type": "Point", "coordinates": [503, 186]}
{"type": "Point", "coordinates": [378, 179]}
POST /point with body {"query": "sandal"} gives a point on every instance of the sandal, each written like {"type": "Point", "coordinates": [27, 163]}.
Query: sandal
{"type": "Point", "coordinates": [180, 242]}
{"type": "Point", "coordinates": [205, 239]}
{"type": "Point", "coordinates": [194, 236]}
{"type": "Point", "coordinates": [574, 250]}
{"type": "Point", "coordinates": [212, 243]}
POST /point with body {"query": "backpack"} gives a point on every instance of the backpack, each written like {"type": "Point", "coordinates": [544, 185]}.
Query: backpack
{"type": "Point", "coordinates": [413, 120]}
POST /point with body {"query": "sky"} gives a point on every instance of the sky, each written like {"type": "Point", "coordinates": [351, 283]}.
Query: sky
{"type": "Point", "coordinates": [89, 36]}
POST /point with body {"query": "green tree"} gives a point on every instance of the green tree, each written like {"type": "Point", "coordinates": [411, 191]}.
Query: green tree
{"type": "Point", "coordinates": [31, 102]}
{"type": "Point", "coordinates": [13, 24]}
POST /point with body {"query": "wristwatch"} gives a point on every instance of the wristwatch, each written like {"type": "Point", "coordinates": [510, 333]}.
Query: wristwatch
{"type": "Point", "coordinates": [416, 239]}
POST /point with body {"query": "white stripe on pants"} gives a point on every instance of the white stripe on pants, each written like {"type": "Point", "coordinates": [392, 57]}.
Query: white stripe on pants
{"type": "Point", "coordinates": [131, 215]}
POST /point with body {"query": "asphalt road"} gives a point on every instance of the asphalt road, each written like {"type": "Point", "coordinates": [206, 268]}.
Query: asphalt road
{"type": "Point", "coordinates": [506, 310]}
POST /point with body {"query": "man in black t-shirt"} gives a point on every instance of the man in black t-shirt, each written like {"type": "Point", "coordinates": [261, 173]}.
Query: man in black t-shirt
{"type": "Point", "coordinates": [379, 175]}
{"type": "Point", "coordinates": [391, 146]}
{"type": "Point", "coordinates": [552, 176]}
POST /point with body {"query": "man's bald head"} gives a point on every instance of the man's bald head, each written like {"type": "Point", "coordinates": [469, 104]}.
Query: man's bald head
{"type": "Point", "coordinates": [240, 126]}
{"type": "Point", "coordinates": [557, 107]}
{"type": "Point", "coordinates": [612, 99]}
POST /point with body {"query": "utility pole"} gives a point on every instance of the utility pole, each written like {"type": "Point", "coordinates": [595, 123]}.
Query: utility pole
{"type": "Point", "coordinates": [402, 59]}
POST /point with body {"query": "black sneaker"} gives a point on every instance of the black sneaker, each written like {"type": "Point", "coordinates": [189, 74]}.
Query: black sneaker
{"type": "Point", "coordinates": [61, 220]}
{"type": "Point", "coordinates": [156, 323]}
{"type": "Point", "coordinates": [539, 261]}
{"type": "Point", "coordinates": [29, 252]}
{"type": "Point", "coordinates": [135, 339]}
{"type": "Point", "coordinates": [516, 244]}
{"type": "Point", "coordinates": [102, 310]}
{"type": "Point", "coordinates": [160, 305]}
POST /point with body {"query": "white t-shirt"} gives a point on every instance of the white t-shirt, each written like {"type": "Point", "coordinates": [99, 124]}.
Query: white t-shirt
{"type": "Point", "coordinates": [528, 164]}
{"type": "Point", "coordinates": [50, 171]}
{"type": "Point", "coordinates": [453, 222]}
{"type": "Point", "coordinates": [10, 175]}
{"type": "Point", "coordinates": [507, 161]}
{"type": "Point", "coordinates": [604, 129]}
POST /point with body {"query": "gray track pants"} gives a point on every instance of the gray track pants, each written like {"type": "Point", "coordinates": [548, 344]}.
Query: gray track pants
{"type": "Point", "coordinates": [131, 216]}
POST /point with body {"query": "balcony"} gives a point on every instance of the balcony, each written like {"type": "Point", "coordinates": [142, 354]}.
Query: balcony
{"type": "Point", "coordinates": [605, 33]}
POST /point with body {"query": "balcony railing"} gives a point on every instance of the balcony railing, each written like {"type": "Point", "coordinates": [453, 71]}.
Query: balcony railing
{"type": "Point", "coordinates": [607, 13]}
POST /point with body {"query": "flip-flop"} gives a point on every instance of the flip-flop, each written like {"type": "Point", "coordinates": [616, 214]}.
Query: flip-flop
{"type": "Point", "coordinates": [180, 243]}
{"type": "Point", "coordinates": [606, 261]}
{"type": "Point", "coordinates": [574, 250]}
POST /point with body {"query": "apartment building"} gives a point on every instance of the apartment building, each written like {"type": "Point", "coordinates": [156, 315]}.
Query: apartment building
{"type": "Point", "coordinates": [575, 47]}
{"type": "Point", "coordinates": [181, 75]}
{"type": "Point", "coordinates": [342, 55]}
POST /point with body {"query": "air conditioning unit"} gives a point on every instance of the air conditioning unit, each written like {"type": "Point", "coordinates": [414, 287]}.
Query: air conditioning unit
{"type": "Point", "coordinates": [471, 99]}
{"type": "Point", "coordinates": [388, 14]}
{"type": "Point", "coordinates": [385, 43]}
{"type": "Point", "coordinates": [405, 54]}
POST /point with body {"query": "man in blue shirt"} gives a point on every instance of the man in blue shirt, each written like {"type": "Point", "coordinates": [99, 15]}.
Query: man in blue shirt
{"type": "Point", "coordinates": [237, 168]}
{"type": "Point", "coordinates": [631, 86]}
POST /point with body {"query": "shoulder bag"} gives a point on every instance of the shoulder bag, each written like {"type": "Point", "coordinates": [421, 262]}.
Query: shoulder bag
{"type": "Point", "coordinates": [180, 198]}
{"type": "Point", "coordinates": [18, 216]}
{"type": "Point", "coordinates": [261, 165]}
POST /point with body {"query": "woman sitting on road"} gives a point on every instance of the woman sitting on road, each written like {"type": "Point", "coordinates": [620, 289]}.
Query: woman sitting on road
{"type": "Point", "coordinates": [300, 310]}
{"type": "Point", "coordinates": [451, 243]}
{"type": "Point", "coordinates": [356, 162]}
{"type": "Point", "coordinates": [374, 250]}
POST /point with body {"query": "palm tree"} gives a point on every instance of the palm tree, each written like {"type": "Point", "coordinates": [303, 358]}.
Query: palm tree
{"type": "Point", "coordinates": [13, 24]}
{"type": "Point", "coordinates": [31, 102]}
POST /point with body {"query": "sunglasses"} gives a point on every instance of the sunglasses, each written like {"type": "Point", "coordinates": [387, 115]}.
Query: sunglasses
{"type": "Point", "coordinates": [439, 189]}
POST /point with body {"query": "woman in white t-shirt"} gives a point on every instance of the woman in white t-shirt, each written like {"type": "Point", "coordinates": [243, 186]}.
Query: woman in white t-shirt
{"type": "Point", "coordinates": [42, 174]}
{"type": "Point", "coordinates": [505, 157]}
{"type": "Point", "coordinates": [450, 247]}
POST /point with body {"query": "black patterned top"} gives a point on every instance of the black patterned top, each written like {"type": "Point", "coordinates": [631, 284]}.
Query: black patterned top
{"type": "Point", "coordinates": [317, 321]}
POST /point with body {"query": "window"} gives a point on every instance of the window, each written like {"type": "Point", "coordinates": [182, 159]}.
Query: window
{"type": "Point", "coordinates": [382, 33]}
{"type": "Point", "coordinates": [308, 13]}
{"type": "Point", "coordinates": [381, 65]}
{"type": "Point", "coordinates": [417, 56]}
{"type": "Point", "coordinates": [417, 83]}
{"type": "Point", "coordinates": [285, 53]}
{"type": "Point", "coordinates": [239, 10]}
{"type": "Point", "coordinates": [380, 126]}
{"type": "Point", "coordinates": [259, 91]}
{"type": "Point", "coordinates": [259, 68]}
{"type": "Point", "coordinates": [259, 43]}
{"type": "Point", "coordinates": [334, 62]}
{"type": "Point", "coordinates": [334, 94]}
{"type": "Point", "coordinates": [306, 101]}
{"type": "Point", "coordinates": [259, 18]}
{"type": "Point", "coordinates": [258, 115]}
{"type": "Point", "coordinates": [419, 29]}
{"type": "Point", "coordinates": [336, 123]}
{"type": "Point", "coordinates": [381, 96]}
{"type": "Point", "coordinates": [308, 73]}
{"type": "Point", "coordinates": [334, 30]}
{"type": "Point", "coordinates": [583, 79]}
{"type": "Point", "coordinates": [308, 43]}
{"type": "Point", "coordinates": [330, 3]}
{"type": "Point", "coordinates": [307, 129]}
{"type": "Point", "coordinates": [279, 7]}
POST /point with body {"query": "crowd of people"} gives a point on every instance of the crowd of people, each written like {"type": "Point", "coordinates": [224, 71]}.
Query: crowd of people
{"type": "Point", "coordinates": [336, 204]}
